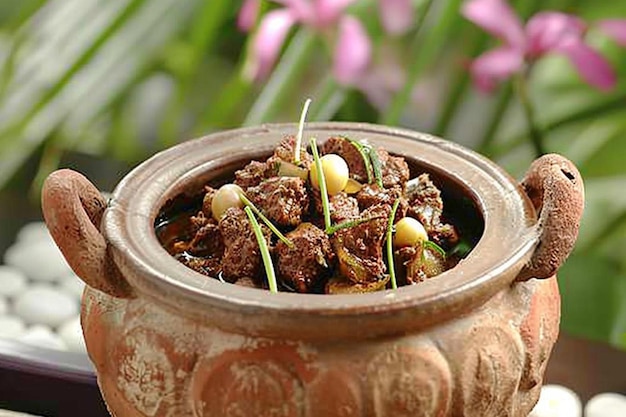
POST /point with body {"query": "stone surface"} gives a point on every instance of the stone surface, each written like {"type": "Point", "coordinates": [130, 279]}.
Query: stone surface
{"type": "Point", "coordinates": [39, 260]}
{"type": "Point", "coordinates": [11, 327]}
{"type": "Point", "coordinates": [607, 404]}
{"type": "Point", "coordinates": [72, 335]}
{"type": "Point", "coordinates": [557, 401]}
{"type": "Point", "coordinates": [42, 336]}
{"type": "Point", "coordinates": [12, 281]}
{"type": "Point", "coordinates": [44, 304]}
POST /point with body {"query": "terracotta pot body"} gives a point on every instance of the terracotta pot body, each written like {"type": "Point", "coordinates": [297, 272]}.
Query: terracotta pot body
{"type": "Point", "coordinates": [167, 341]}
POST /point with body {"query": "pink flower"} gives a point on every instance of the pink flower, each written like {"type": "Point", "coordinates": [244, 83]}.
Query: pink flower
{"type": "Point", "coordinates": [546, 32]}
{"type": "Point", "coordinates": [352, 50]}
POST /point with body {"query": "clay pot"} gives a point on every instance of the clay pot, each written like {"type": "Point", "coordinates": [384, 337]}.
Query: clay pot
{"type": "Point", "coordinates": [167, 341]}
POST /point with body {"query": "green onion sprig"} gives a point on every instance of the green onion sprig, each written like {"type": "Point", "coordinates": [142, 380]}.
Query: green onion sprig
{"type": "Point", "coordinates": [296, 149]}
{"type": "Point", "coordinates": [350, 223]}
{"type": "Point", "coordinates": [267, 221]}
{"type": "Point", "coordinates": [392, 269]}
{"type": "Point", "coordinates": [321, 180]}
{"type": "Point", "coordinates": [435, 247]}
{"type": "Point", "coordinates": [265, 253]}
{"type": "Point", "coordinates": [378, 175]}
{"type": "Point", "coordinates": [365, 154]}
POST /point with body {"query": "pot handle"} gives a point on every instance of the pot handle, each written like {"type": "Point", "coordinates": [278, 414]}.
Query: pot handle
{"type": "Point", "coordinates": [555, 188]}
{"type": "Point", "coordinates": [73, 208]}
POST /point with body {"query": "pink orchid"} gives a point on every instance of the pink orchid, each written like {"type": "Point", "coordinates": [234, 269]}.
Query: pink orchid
{"type": "Point", "coordinates": [546, 32]}
{"type": "Point", "coordinates": [352, 49]}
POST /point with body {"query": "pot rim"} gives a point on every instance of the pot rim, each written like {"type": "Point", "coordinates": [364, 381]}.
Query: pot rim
{"type": "Point", "coordinates": [508, 240]}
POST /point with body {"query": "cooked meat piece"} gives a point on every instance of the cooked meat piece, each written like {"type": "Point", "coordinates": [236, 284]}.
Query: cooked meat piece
{"type": "Point", "coordinates": [247, 282]}
{"type": "Point", "coordinates": [359, 249]}
{"type": "Point", "coordinates": [207, 200]}
{"type": "Point", "coordinates": [349, 152]}
{"type": "Point", "coordinates": [306, 263]}
{"type": "Point", "coordinates": [426, 205]}
{"type": "Point", "coordinates": [285, 151]}
{"type": "Point", "coordinates": [242, 257]}
{"type": "Point", "coordinates": [283, 200]}
{"type": "Point", "coordinates": [341, 285]}
{"type": "Point", "coordinates": [208, 266]}
{"type": "Point", "coordinates": [342, 207]}
{"type": "Point", "coordinates": [371, 195]}
{"type": "Point", "coordinates": [419, 262]}
{"type": "Point", "coordinates": [207, 242]}
{"type": "Point", "coordinates": [394, 169]}
{"type": "Point", "coordinates": [445, 235]}
{"type": "Point", "coordinates": [252, 174]}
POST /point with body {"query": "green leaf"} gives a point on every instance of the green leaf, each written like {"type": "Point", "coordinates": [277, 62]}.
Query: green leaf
{"type": "Point", "coordinates": [590, 293]}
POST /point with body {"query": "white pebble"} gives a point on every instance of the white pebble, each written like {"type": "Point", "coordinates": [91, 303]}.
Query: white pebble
{"type": "Point", "coordinates": [607, 404]}
{"type": "Point", "coordinates": [40, 261]}
{"type": "Point", "coordinates": [34, 232]}
{"type": "Point", "coordinates": [72, 285]}
{"type": "Point", "coordinates": [557, 401]}
{"type": "Point", "coordinates": [72, 334]}
{"type": "Point", "coordinates": [12, 281]}
{"type": "Point", "coordinates": [11, 327]}
{"type": "Point", "coordinates": [42, 304]}
{"type": "Point", "coordinates": [42, 336]}
{"type": "Point", "coordinates": [4, 305]}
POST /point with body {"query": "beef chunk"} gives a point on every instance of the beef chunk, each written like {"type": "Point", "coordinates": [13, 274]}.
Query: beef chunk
{"type": "Point", "coordinates": [359, 249]}
{"type": "Point", "coordinates": [394, 169]}
{"type": "Point", "coordinates": [418, 263]}
{"type": "Point", "coordinates": [282, 199]}
{"type": "Point", "coordinates": [349, 152]}
{"type": "Point", "coordinates": [371, 194]}
{"type": "Point", "coordinates": [207, 241]}
{"type": "Point", "coordinates": [306, 263]}
{"type": "Point", "coordinates": [342, 207]}
{"type": "Point", "coordinates": [242, 257]}
{"type": "Point", "coordinates": [285, 151]}
{"type": "Point", "coordinates": [252, 174]}
{"type": "Point", "coordinates": [207, 200]}
{"type": "Point", "coordinates": [426, 205]}
{"type": "Point", "coordinates": [209, 266]}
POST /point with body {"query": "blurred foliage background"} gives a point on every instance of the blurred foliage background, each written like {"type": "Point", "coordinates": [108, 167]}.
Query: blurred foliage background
{"type": "Point", "coordinates": [122, 79]}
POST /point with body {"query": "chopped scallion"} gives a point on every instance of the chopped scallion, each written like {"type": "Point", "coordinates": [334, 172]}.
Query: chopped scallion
{"type": "Point", "coordinates": [265, 253]}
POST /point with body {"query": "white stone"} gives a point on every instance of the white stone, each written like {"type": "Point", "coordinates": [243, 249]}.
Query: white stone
{"type": "Point", "coordinates": [11, 327]}
{"type": "Point", "coordinates": [44, 304]}
{"type": "Point", "coordinates": [72, 285]}
{"type": "Point", "coordinates": [4, 306]}
{"type": "Point", "coordinates": [34, 232]}
{"type": "Point", "coordinates": [40, 261]}
{"type": "Point", "coordinates": [42, 336]}
{"type": "Point", "coordinates": [557, 401]}
{"type": "Point", "coordinates": [607, 404]}
{"type": "Point", "coordinates": [72, 335]}
{"type": "Point", "coordinates": [12, 281]}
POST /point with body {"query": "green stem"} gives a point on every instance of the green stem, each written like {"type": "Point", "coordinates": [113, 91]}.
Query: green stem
{"type": "Point", "coordinates": [536, 135]}
{"type": "Point", "coordinates": [392, 268]}
{"type": "Point", "coordinates": [422, 53]}
{"type": "Point", "coordinates": [495, 121]}
{"type": "Point", "coordinates": [460, 86]}
{"type": "Point", "coordinates": [265, 253]}
{"type": "Point", "coordinates": [267, 221]}
{"type": "Point", "coordinates": [349, 224]}
{"type": "Point", "coordinates": [80, 63]}
{"type": "Point", "coordinates": [321, 180]}
{"type": "Point", "coordinates": [602, 108]}
{"type": "Point", "coordinates": [204, 34]}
